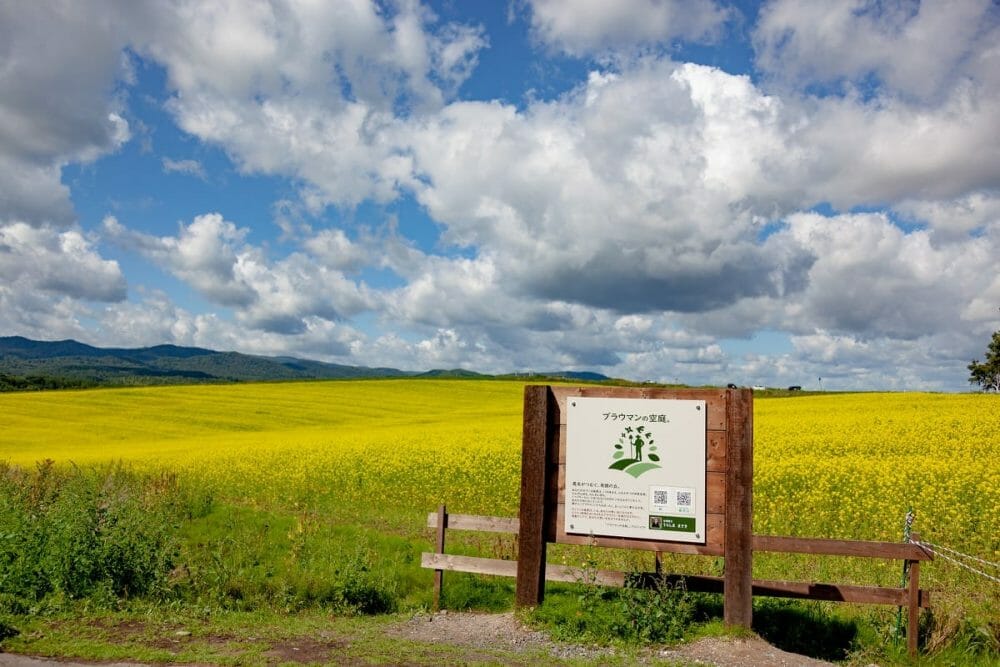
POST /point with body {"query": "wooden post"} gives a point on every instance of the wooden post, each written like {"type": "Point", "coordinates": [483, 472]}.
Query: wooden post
{"type": "Point", "coordinates": [738, 592]}
{"type": "Point", "coordinates": [530, 589]}
{"type": "Point", "coordinates": [442, 521]}
{"type": "Point", "coordinates": [913, 602]}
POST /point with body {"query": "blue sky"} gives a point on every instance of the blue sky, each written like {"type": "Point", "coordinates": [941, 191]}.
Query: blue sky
{"type": "Point", "coordinates": [761, 193]}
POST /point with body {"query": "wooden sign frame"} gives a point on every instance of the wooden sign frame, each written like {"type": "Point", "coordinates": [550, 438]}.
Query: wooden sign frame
{"type": "Point", "coordinates": [729, 488]}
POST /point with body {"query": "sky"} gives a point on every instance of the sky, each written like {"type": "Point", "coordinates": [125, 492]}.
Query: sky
{"type": "Point", "coordinates": [777, 193]}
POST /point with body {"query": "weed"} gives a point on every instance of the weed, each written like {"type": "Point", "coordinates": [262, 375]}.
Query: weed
{"type": "Point", "coordinates": [7, 629]}
{"type": "Point", "coordinates": [653, 609]}
{"type": "Point", "coordinates": [72, 533]}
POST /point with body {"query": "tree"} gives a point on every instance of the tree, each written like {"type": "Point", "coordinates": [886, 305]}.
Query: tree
{"type": "Point", "coordinates": [987, 373]}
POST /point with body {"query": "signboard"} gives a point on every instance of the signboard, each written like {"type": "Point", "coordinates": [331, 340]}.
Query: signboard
{"type": "Point", "coordinates": [635, 467]}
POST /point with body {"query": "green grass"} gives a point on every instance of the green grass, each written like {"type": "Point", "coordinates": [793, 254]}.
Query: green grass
{"type": "Point", "coordinates": [183, 635]}
{"type": "Point", "coordinates": [272, 516]}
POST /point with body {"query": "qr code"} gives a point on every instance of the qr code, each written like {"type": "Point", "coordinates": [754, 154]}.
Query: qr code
{"type": "Point", "coordinates": [684, 499]}
{"type": "Point", "coordinates": [661, 497]}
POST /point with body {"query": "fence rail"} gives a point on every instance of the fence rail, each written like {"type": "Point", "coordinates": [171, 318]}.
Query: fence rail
{"type": "Point", "coordinates": [910, 596]}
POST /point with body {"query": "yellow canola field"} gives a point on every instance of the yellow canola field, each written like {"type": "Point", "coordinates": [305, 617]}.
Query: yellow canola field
{"type": "Point", "coordinates": [379, 443]}
{"type": "Point", "coordinates": [845, 466]}
{"type": "Point", "coordinates": [850, 465]}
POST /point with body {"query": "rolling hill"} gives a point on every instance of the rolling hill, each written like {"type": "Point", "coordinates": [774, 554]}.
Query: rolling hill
{"type": "Point", "coordinates": [162, 364]}
{"type": "Point", "coordinates": [33, 364]}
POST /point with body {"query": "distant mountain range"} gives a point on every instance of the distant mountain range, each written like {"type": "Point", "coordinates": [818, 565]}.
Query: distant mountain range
{"type": "Point", "coordinates": [82, 364]}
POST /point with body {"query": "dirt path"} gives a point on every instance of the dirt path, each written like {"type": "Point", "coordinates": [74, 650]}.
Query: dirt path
{"type": "Point", "coordinates": [14, 660]}
{"type": "Point", "coordinates": [482, 638]}
{"type": "Point", "coordinates": [478, 631]}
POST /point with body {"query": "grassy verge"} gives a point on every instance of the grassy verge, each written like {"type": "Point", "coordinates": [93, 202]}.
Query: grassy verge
{"type": "Point", "coordinates": [263, 637]}
{"type": "Point", "coordinates": [107, 564]}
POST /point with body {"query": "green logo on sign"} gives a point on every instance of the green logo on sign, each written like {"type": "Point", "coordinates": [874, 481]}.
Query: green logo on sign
{"type": "Point", "coordinates": [632, 442]}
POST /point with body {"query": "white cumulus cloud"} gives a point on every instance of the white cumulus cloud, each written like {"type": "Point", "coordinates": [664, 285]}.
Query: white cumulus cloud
{"type": "Point", "coordinates": [212, 256]}
{"type": "Point", "coordinates": [587, 27]}
{"type": "Point", "coordinates": [918, 50]}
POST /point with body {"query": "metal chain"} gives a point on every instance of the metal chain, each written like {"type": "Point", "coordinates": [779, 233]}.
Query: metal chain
{"type": "Point", "coordinates": [960, 563]}
{"type": "Point", "coordinates": [957, 553]}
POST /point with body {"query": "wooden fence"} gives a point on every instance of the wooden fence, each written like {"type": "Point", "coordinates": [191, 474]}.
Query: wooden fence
{"type": "Point", "coordinates": [909, 596]}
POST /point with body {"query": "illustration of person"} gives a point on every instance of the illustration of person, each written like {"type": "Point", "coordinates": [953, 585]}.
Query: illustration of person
{"type": "Point", "coordinates": [638, 443]}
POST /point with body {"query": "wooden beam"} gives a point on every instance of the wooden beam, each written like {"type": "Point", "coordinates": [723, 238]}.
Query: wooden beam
{"type": "Point", "coordinates": [828, 547]}
{"type": "Point", "coordinates": [531, 529]}
{"type": "Point", "coordinates": [913, 605]}
{"type": "Point", "coordinates": [769, 543]}
{"type": "Point", "coordinates": [835, 592]}
{"type": "Point", "coordinates": [508, 568]}
{"type": "Point", "coordinates": [488, 524]}
{"type": "Point", "coordinates": [714, 398]}
{"type": "Point", "coordinates": [738, 596]}
{"type": "Point", "coordinates": [471, 564]}
{"type": "Point", "coordinates": [789, 589]}
{"type": "Point", "coordinates": [442, 525]}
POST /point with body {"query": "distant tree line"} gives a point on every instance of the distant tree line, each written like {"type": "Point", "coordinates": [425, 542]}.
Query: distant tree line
{"type": "Point", "coordinates": [40, 383]}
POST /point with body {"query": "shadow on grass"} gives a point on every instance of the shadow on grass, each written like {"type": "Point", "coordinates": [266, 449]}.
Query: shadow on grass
{"type": "Point", "coordinates": [463, 592]}
{"type": "Point", "coordinates": [576, 612]}
{"type": "Point", "coordinates": [804, 628]}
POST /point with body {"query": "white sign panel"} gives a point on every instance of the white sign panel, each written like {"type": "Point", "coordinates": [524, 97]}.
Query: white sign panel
{"type": "Point", "coordinates": [635, 467]}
